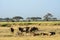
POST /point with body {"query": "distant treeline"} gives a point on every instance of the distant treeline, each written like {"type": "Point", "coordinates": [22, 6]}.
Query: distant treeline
{"type": "Point", "coordinates": [47, 17]}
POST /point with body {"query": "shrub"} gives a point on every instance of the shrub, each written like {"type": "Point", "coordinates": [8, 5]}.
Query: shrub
{"type": "Point", "coordinates": [5, 25]}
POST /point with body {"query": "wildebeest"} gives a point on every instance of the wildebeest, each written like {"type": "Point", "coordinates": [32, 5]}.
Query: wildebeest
{"type": "Point", "coordinates": [52, 33]}
{"type": "Point", "coordinates": [12, 30]}
{"type": "Point", "coordinates": [26, 29]}
{"type": "Point", "coordinates": [44, 34]}
{"type": "Point", "coordinates": [39, 32]}
{"type": "Point", "coordinates": [21, 29]}
{"type": "Point", "coordinates": [36, 33]}
{"type": "Point", "coordinates": [33, 29]}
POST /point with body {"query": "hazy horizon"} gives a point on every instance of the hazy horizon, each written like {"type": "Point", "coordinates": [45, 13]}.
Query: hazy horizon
{"type": "Point", "coordinates": [29, 8]}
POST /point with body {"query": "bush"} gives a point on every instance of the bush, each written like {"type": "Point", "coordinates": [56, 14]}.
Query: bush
{"type": "Point", "coordinates": [5, 25]}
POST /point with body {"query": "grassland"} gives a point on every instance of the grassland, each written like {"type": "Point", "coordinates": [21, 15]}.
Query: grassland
{"type": "Point", "coordinates": [44, 25]}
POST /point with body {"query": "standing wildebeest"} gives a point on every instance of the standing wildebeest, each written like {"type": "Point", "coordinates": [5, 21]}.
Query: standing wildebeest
{"type": "Point", "coordinates": [52, 33]}
{"type": "Point", "coordinates": [12, 30]}
{"type": "Point", "coordinates": [20, 32]}
{"type": "Point", "coordinates": [21, 29]}
{"type": "Point", "coordinates": [33, 29]}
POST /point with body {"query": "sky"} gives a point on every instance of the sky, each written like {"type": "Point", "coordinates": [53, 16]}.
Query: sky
{"type": "Point", "coordinates": [29, 8]}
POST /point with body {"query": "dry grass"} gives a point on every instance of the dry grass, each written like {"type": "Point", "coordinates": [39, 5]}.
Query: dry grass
{"type": "Point", "coordinates": [32, 38]}
{"type": "Point", "coordinates": [6, 31]}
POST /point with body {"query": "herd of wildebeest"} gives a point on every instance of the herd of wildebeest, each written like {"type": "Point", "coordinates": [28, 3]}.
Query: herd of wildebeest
{"type": "Point", "coordinates": [31, 31]}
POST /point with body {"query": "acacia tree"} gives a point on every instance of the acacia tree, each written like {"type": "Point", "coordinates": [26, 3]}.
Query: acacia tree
{"type": "Point", "coordinates": [1, 18]}
{"type": "Point", "coordinates": [48, 16]}
{"type": "Point", "coordinates": [7, 19]}
{"type": "Point", "coordinates": [17, 18]}
{"type": "Point", "coordinates": [34, 18]}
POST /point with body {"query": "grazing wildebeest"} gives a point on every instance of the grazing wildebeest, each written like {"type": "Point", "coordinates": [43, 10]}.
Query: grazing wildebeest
{"type": "Point", "coordinates": [37, 33]}
{"type": "Point", "coordinates": [26, 29]}
{"type": "Point", "coordinates": [33, 29]}
{"type": "Point", "coordinates": [12, 30]}
{"type": "Point", "coordinates": [44, 33]}
{"type": "Point", "coordinates": [52, 33]}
